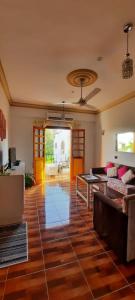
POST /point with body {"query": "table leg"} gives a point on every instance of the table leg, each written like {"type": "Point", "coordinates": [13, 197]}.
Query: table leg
{"type": "Point", "coordinates": [88, 192]}
{"type": "Point", "coordinates": [76, 185]}
{"type": "Point", "coordinates": [105, 188]}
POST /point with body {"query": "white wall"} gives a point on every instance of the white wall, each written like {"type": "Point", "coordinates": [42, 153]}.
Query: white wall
{"type": "Point", "coordinates": [121, 118]}
{"type": "Point", "coordinates": [22, 133]}
{"type": "Point", "coordinates": [4, 106]}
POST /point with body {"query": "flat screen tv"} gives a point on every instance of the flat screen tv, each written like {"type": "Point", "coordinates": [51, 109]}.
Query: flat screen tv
{"type": "Point", "coordinates": [12, 156]}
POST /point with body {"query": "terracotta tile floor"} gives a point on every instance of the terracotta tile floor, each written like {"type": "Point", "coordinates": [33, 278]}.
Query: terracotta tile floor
{"type": "Point", "coordinates": [67, 260]}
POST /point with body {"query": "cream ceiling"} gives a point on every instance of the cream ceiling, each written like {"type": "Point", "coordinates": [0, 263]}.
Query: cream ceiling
{"type": "Point", "coordinates": [41, 41]}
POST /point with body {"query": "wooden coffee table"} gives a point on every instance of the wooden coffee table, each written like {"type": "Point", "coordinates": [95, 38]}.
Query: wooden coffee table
{"type": "Point", "coordinates": [86, 185]}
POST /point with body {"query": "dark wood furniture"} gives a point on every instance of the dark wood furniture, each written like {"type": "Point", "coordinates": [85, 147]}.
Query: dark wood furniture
{"type": "Point", "coordinates": [115, 223]}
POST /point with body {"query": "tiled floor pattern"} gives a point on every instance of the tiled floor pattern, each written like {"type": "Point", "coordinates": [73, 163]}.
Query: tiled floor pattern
{"type": "Point", "coordinates": [67, 260]}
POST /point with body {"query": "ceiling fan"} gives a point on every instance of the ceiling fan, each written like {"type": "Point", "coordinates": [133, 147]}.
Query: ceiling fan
{"type": "Point", "coordinates": [60, 116]}
{"type": "Point", "coordinates": [83, 101]}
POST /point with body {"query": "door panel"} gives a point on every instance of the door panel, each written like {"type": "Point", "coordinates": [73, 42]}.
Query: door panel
{"type": "Point", "coordinates": [77, 152]}
{"type": "Point", "coordinates": [39, 154]}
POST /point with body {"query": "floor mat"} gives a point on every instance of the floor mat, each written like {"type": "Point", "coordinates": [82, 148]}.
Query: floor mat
{"type": "Point", "coordinates": [13, 245]}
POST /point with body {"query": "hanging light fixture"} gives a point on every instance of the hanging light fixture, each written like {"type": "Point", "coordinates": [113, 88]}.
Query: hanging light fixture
{"type": "Point", "coordinates": [127, 65]}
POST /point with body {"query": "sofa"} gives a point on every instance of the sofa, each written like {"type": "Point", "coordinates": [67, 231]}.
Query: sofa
{"type": "Point", "coordinates": [116, 184]}
{"type": "Point", "coordinates": [115, 223]}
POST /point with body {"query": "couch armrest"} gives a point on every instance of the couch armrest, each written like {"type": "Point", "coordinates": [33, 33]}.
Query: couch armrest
{"type": "Point", "coordinates": [130, 190]}
{"type": "Point", "coordinates": [99, 170]}
{"type": "Point", "coordinates": [130, 207]}
{"type": "Point", "coordinates": [108, 201]}
{"type": "Point", "coordinates": [111, 224]}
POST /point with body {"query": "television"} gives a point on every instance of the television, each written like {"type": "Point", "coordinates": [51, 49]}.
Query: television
{"type": "Point", "coordinates": [12, 156]}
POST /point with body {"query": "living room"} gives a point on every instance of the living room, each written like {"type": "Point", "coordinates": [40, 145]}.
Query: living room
{"type": "Point", "coordinates": [61, 254]}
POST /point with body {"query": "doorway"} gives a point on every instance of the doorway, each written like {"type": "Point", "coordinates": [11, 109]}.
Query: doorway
{"type": "Point", "coordinates": [61, 157]}
{"type": "Point", "coordinates": [57, 154]}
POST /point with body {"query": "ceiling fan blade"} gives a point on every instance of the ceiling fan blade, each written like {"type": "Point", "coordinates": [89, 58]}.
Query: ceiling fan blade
{"type": "Point", "coordinates": [92, 94]}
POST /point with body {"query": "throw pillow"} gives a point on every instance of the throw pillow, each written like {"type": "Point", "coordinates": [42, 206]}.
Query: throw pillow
{"type": "Point", "coordinates": [112, 172]}
{"type": "Point", "coordinates": [109, 165]}
{"type": "Point", "coordinates": [128, 176]}
{"type": "Point", "coordinates": [121, 171]}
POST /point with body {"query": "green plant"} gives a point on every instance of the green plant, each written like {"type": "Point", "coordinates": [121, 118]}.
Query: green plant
{"type": "Point", "coordinates": [4, 173]}
{"type": "Point", "coordinates": [29, 180]}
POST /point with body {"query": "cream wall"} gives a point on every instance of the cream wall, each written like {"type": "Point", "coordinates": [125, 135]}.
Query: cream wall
{"type": "Point", "coordinates": [4, 106]}
{"type": "Point", "coordinates": [22, 134]}
{"type": "Point", "coordinates": [121, 118]}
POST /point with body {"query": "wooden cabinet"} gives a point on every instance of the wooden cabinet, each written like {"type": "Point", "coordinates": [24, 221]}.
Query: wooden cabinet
{"type": "Point", "coordinates": [77, 152]}
{"type": "Point", "coordinates": [12, 195]}
{"type": "Point", "coordinates": [39, 154]}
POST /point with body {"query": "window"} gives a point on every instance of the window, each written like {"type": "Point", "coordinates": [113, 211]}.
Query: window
{"type": "Point", "coordinates": [125, 142]}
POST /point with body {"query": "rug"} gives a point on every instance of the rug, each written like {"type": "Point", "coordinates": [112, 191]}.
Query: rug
{"type": "Point", "coordinates": [13, 245]}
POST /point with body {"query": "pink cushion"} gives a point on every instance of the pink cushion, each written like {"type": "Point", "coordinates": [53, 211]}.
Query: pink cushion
{"type": "Point", "coordinates": [109, 165]}
{"type": "Point", "coordinates": [121, 171]}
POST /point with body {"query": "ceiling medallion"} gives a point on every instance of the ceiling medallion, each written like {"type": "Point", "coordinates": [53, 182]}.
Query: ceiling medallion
{"type": "Point", "coordinates": [86, 76]}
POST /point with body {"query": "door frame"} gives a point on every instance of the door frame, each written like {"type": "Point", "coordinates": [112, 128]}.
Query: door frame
{"type": "Point", "coordinates": [43, 151]}
{"type": "Point", "coordinates": [72, 159]}
{"type": "Point", "coordinates": [64, 128]}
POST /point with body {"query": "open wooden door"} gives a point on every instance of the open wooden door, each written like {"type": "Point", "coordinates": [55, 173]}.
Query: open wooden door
{"type": "Point", "coordinates": [77, 152]}
{"type": "Point", "coordinates": [39, 154]}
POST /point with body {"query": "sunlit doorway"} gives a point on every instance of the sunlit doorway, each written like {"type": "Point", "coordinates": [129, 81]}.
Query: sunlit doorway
{"type": "Point", "coordinates": [57, 154]}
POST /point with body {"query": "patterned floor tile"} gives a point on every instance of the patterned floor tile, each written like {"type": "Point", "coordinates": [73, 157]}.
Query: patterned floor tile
{"type": "Point", "coordinates": [3, 274]}
{"type": "Point", "coordinates": [123, 294]}
{"type": "Point", "coordinates": [49, 219]}
{"type": "Point", "coordinates": [72, 216]}
{"type": "Point", "coordinates": [133, 286]}
{"type": "Point", "coordinates": [128, 269]}
{"type": "Point", "coordinates": [67, 243]}
{"type": "Point", "coordinates": [52, 231]}
{"type": "Point", "coordinates": [58, 252]}
{"type": "Point", "coordinates": [28, 287]}
{"type": "Point", "coordinates": [2, 286]}
{"type": "Point", "coordinates": [102, 242]}
{"type": "Point", "coordinates": [35, 264]}
{"type": "Point", "coordinates": [33, 232]}
{"type": "Point", "coordinates": [102, 275]}
{"type": "Point", "coordinates": [67, 282]}
{"type": "Point", "coordinates": [86, 245]}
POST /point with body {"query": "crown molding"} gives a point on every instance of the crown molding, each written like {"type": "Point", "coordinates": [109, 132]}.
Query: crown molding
{"type": "Point", "coordinates": [118, 101]}
{"type": "Point", "coordinates": [4, 84]}
{"type": "Point", "coordinates": [52, 107]}
{"type": "Point", "coordinates": [6, 90]}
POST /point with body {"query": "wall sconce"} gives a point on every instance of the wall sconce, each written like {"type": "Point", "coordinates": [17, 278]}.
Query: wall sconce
{"type": "Point", "coordinates": [102, 132]}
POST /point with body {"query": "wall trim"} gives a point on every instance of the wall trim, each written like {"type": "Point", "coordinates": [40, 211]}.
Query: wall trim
{"type": "Point", "coordinates": [108, 106]}
{"type": "Point", "coordinates": [4, 84]}
{"type": "Point", "coordinates": [51, 107]}
{"type": "Point", "coordinates": [118, 101]}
